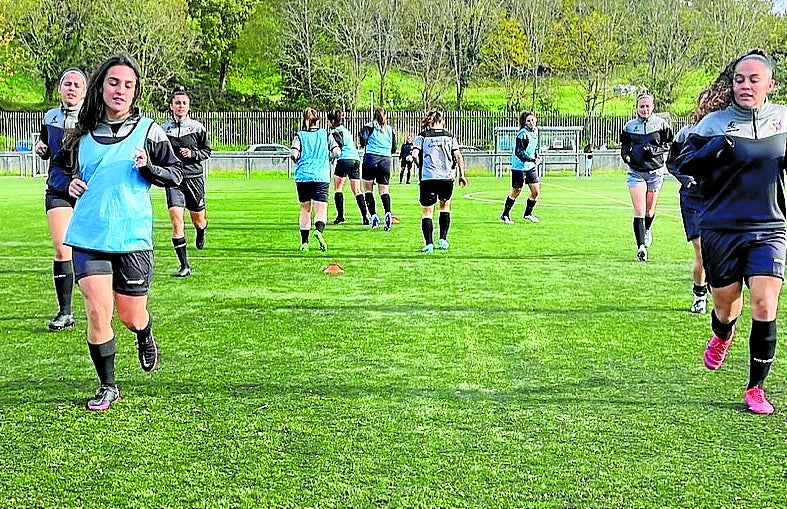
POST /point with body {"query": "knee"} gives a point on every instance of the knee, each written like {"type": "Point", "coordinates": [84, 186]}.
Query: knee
{"type": "Point", "coordinates": [133, 319]}
{"type": "Point", "coordinates": [62, 253]}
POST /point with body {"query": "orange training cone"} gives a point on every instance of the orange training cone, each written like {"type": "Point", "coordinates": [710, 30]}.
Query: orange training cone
{"type": "Point", "coordinates": [394, 220]}
{"type": "Point", "coordinates": [333, 269]}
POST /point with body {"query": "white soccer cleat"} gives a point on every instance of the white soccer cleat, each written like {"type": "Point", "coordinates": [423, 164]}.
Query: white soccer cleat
{"type": "Point", "coordinates": [531, 218]}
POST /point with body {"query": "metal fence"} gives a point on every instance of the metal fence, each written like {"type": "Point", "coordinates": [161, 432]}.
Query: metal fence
{"type": "Point", "coordinates": [18, 130]}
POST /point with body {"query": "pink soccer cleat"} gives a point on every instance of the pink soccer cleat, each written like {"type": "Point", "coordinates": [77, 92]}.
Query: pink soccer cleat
{"type": "Point", "coordinates": [716, 351]}
{"type": "Point", "coordinates": [756, 401]}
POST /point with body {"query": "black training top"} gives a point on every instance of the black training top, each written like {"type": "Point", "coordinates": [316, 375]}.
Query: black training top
{"type": "Point", "coordinates": [738, 154]}
{"type": "Point", "coordinates": [192, 135]}
{"type": "Point", "coordinates": [644, 141]}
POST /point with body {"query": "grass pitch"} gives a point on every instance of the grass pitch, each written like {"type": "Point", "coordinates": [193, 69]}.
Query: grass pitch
{"type": "Point", "coordinates": [528, 366]}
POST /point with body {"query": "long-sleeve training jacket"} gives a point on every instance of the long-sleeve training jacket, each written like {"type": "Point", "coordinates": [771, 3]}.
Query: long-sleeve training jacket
{"type": "Point", "coordinates": [739, 156]}
{"type": "Point", "coordinates": [57, 122]}
{"type": "Point", "coordinates": [192, 135]}
{"type": "Point", "coordinates": [644, 141]}
{"type": "Point", "coordinates": [688, 184]}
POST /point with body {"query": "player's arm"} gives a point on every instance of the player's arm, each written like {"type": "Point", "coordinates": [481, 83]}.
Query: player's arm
{"type": "Point", "coordinates": [42, 145]}
{"type": "Point", "coordinates": [157, 163]}
{"type": "Point", "coordinates": [295, 149]}
{"type": "Point", "coordinates": [521, 147]}
{"type": "Point", "coordinates": [202, 150]}
{"type": "Point", "coordinates": [460, 167]}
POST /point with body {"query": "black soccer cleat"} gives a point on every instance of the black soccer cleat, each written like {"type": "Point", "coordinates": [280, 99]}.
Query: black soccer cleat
{"type": "Point", "coordinates": [199, 242]}
{"type": "Point", "coordinates": [339, 220]}
{"type": "Point", "coordinates": [147, 352]}
{"type": "Point", "coordinates": [182, 272]}
{"type": "Point", "coordinates": [61, 322]}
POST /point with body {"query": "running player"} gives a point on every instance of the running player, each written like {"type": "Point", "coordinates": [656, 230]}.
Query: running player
{"type": "Point", "coordinates": [59, 205]}
{"type": "Point", "coordinates": [436, 150]}
{"type": "Point", "coordinates": [739, 153]}
{"type": "Point", "coordinates": [379, 140]}
{"type": "Point", "coordinates": [191, 145]}
{"type": "Point", "coordinates": [643, 143]}
{"type": "Point", "coordinates": [119, 155]}
{"type": "Point", "coordinates": [348, 165]}
{"type": "Point", "coordinates": [312, 150]}
{"type": "Point", "coordinates": [524, 168]}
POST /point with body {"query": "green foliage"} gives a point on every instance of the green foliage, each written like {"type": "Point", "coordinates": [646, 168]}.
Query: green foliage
{"type": "Point", "coordinates": [529, 366]}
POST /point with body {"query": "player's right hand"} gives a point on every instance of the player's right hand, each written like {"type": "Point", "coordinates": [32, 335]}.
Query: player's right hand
{"type": "Point", "coordinates": [41, 148]}
{"type": "Point", "coordinates": [77, 188]}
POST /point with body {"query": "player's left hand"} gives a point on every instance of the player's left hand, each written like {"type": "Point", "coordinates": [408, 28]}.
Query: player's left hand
{"type": "Point", "coordinates": [185, 152]}
{"type": "Point", "coordinates": [462, 181]}
{"type": "Point", "coordinates": [140, 158]}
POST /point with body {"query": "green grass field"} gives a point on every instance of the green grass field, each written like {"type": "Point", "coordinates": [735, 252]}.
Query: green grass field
{"type": "Point", "coordinates": [530, 366]}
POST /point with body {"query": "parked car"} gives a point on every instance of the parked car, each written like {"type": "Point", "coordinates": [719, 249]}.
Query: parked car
{"type": "Point", "coordinates": [269, 148]}
{"type": "Point", "coordinates": [468, 148]}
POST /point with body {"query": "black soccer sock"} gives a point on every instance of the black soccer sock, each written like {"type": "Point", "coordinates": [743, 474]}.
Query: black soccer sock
{"type": "Point", "coordinates": [361, 201]}
{"type": "Point", "coordinates": [103, 357]}
{"type": "Point", "coordinates": [721, 329]}
{"type": "Point", "coordinates": [401, 175]}
{"type": "Point", "coordinates": [762, 349]}
{"type": "Point", "coordinates": [700, 290]}
{"type": "Point", "coordinates": [408, 175]}
{"type": "Point", "coordinates": [145, 333]}
{"type": "Point", "coordinates": [386, 199]}
{"type": "Point", "coordinates": [338, 199]}
{"type": "Point", "coordinates": [180, 249]}
{"type": "Point", "coordinates": [445, 223]}
{"type": "Point", "coordinates": [305, 236]}
{"type": "Point", "coordinates": [370, 203]}
{"type": "Point", "coordinates": [63, 273]}
{"type": "Point", "coordinates": [531, 204]}
{"type": "Point", "coordinates": [649, 221]}
{"type": "Point", "coordinates": [427, 227]}
{"type": "Point", "coordinates": [639, 230]}
{"type": "Point", "coordinates": [319, 226]}
{"type": "Point", "coordinates": [509, 205]}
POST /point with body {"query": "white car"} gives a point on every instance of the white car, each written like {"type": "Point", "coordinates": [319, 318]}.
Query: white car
{"type": "Point", "coordinates": [273, 149]}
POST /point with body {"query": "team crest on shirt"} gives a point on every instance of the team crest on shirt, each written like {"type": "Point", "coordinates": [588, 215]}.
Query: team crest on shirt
{"type": "Point", "coordinates": [776, 125]}
{"type": "Point", "coordinates": [731, 127]}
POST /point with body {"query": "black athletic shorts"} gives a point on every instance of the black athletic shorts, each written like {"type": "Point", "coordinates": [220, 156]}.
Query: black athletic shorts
{"type": "Point", "coordinates": [55, 199]}
{"type": "Point", "coordinates": [376, 169]}
{"type": "Point", "coordinates": [734, 256]}
{"type": "Point", "coordinates": [348, 168]}
{"type": "Point", "coordinates": [312, 191]}
{"type": "Point", "coordinates": [521, 177]}
{"type": "Point", "coordinates": [190, 195]}
{"type": "Point", "coordinates": [432, 190]}
{"type": "Point", "coordinates": [131, 272]}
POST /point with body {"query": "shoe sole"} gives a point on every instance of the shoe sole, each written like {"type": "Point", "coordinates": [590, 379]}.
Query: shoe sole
{"type": "Point", "coordinates": [102, 408]}
{"type": "Point", "coordinates": [58, 328]}
{"type": "Point", "coordinates": [321, 241]}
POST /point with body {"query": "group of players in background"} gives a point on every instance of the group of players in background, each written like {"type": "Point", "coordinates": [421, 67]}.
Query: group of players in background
{"type": "Point", "coordinates": [105, 156]}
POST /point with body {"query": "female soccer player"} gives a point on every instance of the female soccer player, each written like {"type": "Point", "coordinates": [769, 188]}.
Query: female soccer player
{"type": "Point", "coordinates": [691, 198]}
{"type": "Point", "coordinates": [643, 143]}
{"type": "Point", "coordinates": [348, 165]}
{"type": "Point", "coordinates": [738, 153]}
{"type": "Point", "coordinates": [59, 205]}
{"type": "Point", "coordinates": [119, 155]}
{"type": "Point", "coordinates": [524, 165]}
{"type": "Point", "coordinates": [312, 150]}
{"type": "Point", "coordinates": [435, 151]}
{"type": "Point", "coordinates": [189, 140]}
{"type": "Point", "coordinates": [379, 140]}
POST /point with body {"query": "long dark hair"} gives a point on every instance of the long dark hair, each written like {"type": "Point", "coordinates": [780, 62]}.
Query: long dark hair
{"type": "Point", "coordinates": [380, 117]}
{"type": "Point", "coordinates": [93, 109]}
{"type": "Point", "coordinates": [523, 118]}
{"type": "Point", "coordinates": [431, 117]}
{"type": "Point", "coordinates": [336, 117]}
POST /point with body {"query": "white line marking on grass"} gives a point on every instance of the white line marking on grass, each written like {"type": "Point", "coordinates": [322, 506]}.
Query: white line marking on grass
{"type": "Point", "coordinates": [620, 203]}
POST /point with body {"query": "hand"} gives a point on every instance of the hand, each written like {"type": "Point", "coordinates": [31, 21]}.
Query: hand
{"type": "Point", "coordinates": [77, 188]}
{"type": "Point", "coordinates": [140, 158]}
{"type": "Point", "coordinates": [41, 148]}
{"type": "Point", "coordinates": [538, 161]}
{"type": "Point", "coordinates": [185, 152]}
{"type": "Point", "coordinates": [462, 181]}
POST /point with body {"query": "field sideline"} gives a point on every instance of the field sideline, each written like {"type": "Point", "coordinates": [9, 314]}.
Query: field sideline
{"type": "Point", "coordinates": [528, 366]}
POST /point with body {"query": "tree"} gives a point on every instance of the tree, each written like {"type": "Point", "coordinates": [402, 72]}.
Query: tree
{"type": "Point", "coordinates": [155, 32]}
{"type": "Point", "coordinates": [505, 56]}
{"type": "Point", "coordinates": [537, 18]}
{"type": "Point", "coordinates": [386, 38]}
{"type": "Point", "coordinates": [8, 55]}
{"type": "Point", "coordinates": [50, 32]}
{"type": "Point", "coordinates": [350, 26]}
{"type": "Point", "coordinates": [593, 43]}
{"type": "Point", "coordinates": [670, 46]}
{"type": "Point", "coordinates": [471, 22]}
{"type": "Point", "coordinates": [220, 25]}
{"type": "Point", "coordinates": [427, 29]}
{"type": "Point", "coordinates": [303, 46]}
